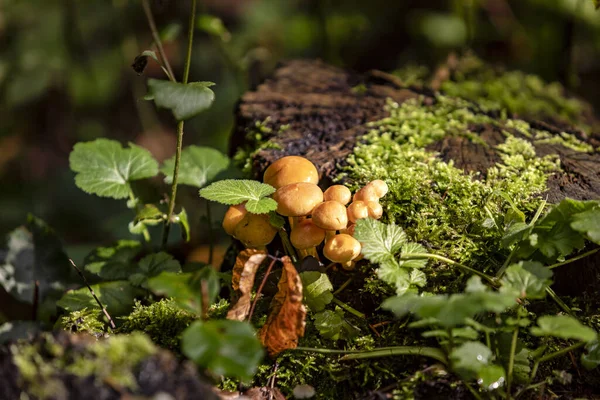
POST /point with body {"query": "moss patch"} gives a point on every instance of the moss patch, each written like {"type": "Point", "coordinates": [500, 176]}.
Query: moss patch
{"type": "Point", "coordinates": [84, 321]}
{"type": "Point", "coordinates": [42, 363]}
{"type": "Point", "coordinates": [163, 321]}
{"type": "Point", "coordinates": [451, 212]}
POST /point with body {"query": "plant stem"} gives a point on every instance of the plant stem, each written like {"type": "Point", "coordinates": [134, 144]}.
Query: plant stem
{"type": "Point", "coordinates": [112, 324]}
{"type": "Point", "coordinates": [553, 355]}
{"type": "Point", "coordinates": [211, 239]}
{"type": "Point", "coordinates": [430, 352]}
{"type": "Point", "coordinates": [420, 256]}
{"type": "Point", "coordinates": [157, 41]}
{"type": "Point", "coordinates": [260, 288]}
{"type": "Point", "coordinates": [344, 286]}
{"type": "Point", "coordinates": [473, 391]}
{"type": "Point", "coordinates": [570, 260]}
{"type": "Point", "coordinates": [511, 362]}
{"type": "Point", "coordinates": [348, 308]}
{"type": "Point", "coordinates": [186, 73]}
{"type": "Point", "coordinates": [558, 301]}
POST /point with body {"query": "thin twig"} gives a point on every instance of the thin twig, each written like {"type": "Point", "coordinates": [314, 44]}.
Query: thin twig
{"type": "Point", "coordinates": [112, 324]}
{"type": "Point", "coordinates": [157, 41]}
{"type": "Point", "coordinates": [570, 260]}
{"type": "Point", "coordinates": [36, 298]}
{"type": "Point", "coordinates": [260, 288]}
{"type": "Point", "coordinates": [186, 73]}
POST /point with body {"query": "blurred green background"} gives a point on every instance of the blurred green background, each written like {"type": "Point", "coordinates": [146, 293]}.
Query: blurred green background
{"type": "Point", "coordinates": [66, 76]}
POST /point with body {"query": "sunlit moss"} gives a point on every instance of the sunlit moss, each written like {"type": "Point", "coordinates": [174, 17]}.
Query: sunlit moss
{"type": "Point", "coordinates": [254, 143]}
{"type": "Point", "coordinates": [163, 321]}
{"type": "Point", "coordinates": [440, 205]}
{"type": "Point", "coordinates": [85, 320]}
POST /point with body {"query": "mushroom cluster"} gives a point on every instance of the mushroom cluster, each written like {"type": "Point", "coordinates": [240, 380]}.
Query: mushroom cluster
{"type": "Point", "coordinates": [315, 216]}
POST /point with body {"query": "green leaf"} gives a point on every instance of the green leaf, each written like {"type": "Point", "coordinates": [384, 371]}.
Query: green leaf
{"type": "Point", "coordinates": [224, 347]}
{"type": "Point", "coordinates": [213, 26]}
{"type": "Point", "coordinates": [34, 253]}
{"type": "Point", "coordinates": [316, 289]}
{"type": "Point", "coordinates": [563, 326]}
{"type": "Point", "coordinates": [186, 289]}
{"type": "Point", "coordinates": [515, 233]}
{"type": "Point", "coordinates": [527, 280]}
{"type": "Point", "coordinates": [276, 220]}
{"type": "Point", "coordinates": [413, 248]}
{"type": "Point", "coordinates": [105, 168]}
{"type": "Point", "coordinates": [237, 191]}
{"type": "Point", "coordinates": [329, 324]}
{"type": "Point", "coordinates": [151, 266]}
{"type": "Point", "coordinates": [588, 222]}
{"type": "Point", "coordinates": [470, 357]}
{"type": "Point", "coordinates": [198, 166]}
{"type": "Point", "coordinates": [116, 296]}
{"type": "Point", "coordinates": [380, 242]}
{"type": "Point", "coordinates": [16, 330]}
{"type": "Point", "coordinates": [392, 274]}
{"type": "Point", "coordinates": [114, 262]}
{"type": "Point", "coordinates": [149, 214]}
{"type": "Point", "coordinates": [450, 311]}
{"type": "Point", "coordinates": [184, 101]}
{"type": "Point", "coordinates": [591, 358]}
{"type": "Point", "coordinates": [417, 278]}
{"type": "Point", "coordinates": [182, 219]}
{"type": "Point", "coordinates": [491, 377]}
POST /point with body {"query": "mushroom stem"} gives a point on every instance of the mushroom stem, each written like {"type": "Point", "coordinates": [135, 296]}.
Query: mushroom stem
{"type": "Point", "coordinates": [287, 245]}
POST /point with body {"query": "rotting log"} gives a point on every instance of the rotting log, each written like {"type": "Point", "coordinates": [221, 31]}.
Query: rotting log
{"type": "Point", "coordinates": [324, 110]}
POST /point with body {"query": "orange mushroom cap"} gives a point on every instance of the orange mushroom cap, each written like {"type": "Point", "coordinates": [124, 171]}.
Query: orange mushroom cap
{"type": "Point", "coordinates": [306, 235]}
{"type": "Point", "coordinates": [290, 169]}
{"type": "Point", "coordinates": [330, 215]}
{"type": "Point", "coordinates": [297, 199]}
{"type": "Point", "coordinates": [255, 231]}
{"type": "Point", "coordinates": [342, 248]}
{"type": "Point", "coordinates": [233, 216]}
{"type": "Point", "coordinates": [339, 193]}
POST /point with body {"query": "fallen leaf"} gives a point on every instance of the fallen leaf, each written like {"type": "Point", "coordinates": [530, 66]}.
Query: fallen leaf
{"type": "Point", "coordinates": [244, 271]}
{"type": "Point", "coordinates": [286, 321]}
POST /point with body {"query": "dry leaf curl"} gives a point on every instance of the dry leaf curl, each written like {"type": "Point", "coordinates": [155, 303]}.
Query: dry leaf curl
{"type": "Point", "coordinates": [244, 271]}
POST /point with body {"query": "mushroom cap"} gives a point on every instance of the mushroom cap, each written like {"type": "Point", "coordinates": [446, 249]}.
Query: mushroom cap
{"type": "Point", "coordinates": [366, 193]}
{"type": "Point", "coordinates": [380, 188]}
{"type": "Point", "coordinates": [339, 193]}
{"type": "Point", "coordinates": [305, 235]}
{"type": "Point", "coordinates": [233, 216]}
{"type": "Point", "coordinates": [297, 199]}
{"type": "Point", "coordinates": [342, 248]}
{"type": "Point", "coordinates": [357, 210]}
{"type": "Point", "coordinates": [375, 209]}
{"type": "Point", "coordinates": [255, 231]}
{"type": "Point", "coordinates": [290, 169]}
{"type": "Point", "coordinates": [330, 215]}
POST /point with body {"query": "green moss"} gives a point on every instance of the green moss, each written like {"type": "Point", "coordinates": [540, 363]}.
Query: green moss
{"type": "Point", "coordinates": [565, 139]}
{"type": "Point", "coordinates": [42, 363]}
{"type": "Point", "coordinates": [163, 321]}
{"type": "Point", "coordinates": [515, 91]}
{"type": "Point", "coordinates": [438, 204]}
{"type": "Point", "coordinates": [255, 143]}
{"type": "Point", "coordinates": [85, 320]}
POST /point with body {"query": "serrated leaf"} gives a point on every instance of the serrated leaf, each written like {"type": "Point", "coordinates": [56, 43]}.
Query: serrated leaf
{"type": "Point", "coordinates": [453, 310]}
{"type": "Point", "coordinates": [413, 248]}
{"type": "Point", "coordinates": [224, 347]}
{"type": "Point", "coordinates": [105, 168]}
{"type": "Point", "coordinates": [286, 321]}
{"type": "Point", "coordinates": [237, 191]}
{"type": "Point", "coordinates": [588, 222]}
{"type": "Point", "coordinates": [113, 262]}
{"type": "Point", "coordinates": [380, 242]}
{"type": "Point", "coordinates": [116, 296]}
{"type": "Point", "coordinates": [591, 358]}
{"type": "Point", "coordinates": [152, 265]}
{"type": "Point", "coordinates": [418, 278]}
{"type": "Point", "coordinates": [317, 290]}
{"type": "Point", "coordinates": [470, 357]}
{"type": "Point", "coordinates": [184, 101]}
{"type": "Point", "coordinates": [329, 324]}
{"type": "Point", "coordinates": [563, 326]}
{"type": "Point", "coordinates": [394, 275]}
{"type": "Point", "coordinates": [527, 279]}
{"type": "Point", "coordinates": [244, 272]}
{"type": "Point", "coordinates": [198, 166]}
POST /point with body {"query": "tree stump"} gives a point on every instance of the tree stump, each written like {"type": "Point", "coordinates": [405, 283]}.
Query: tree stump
{"type": "Point", "coordinates": [319, 111]}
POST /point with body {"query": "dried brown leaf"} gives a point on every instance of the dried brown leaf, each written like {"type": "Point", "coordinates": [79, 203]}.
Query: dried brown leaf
{"type": "Point", "coordinates": [286, 321]}
{"type": "Point", "coordinates": [244, 271]}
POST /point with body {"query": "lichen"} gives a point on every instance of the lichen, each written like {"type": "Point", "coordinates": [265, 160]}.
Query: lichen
{"type": "Point", "coordinates": [440, 205]}
{"type": "Point", "coordinates": [163, 321]}
{"type": "Point", "coordinates": [43, 363]}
